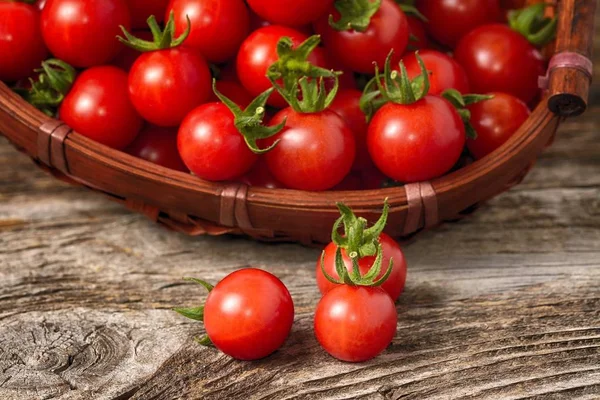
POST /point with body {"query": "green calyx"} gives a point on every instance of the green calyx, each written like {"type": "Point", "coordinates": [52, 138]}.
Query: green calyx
{"type": "Point", "coordinates": [394, 87]}
{"type": "Point", "coordinates": [409, 9]}
{"type": "Point", "coordinates": [460, 102]}
{"type": "Point", "coordinates": [292, 74]}
{"type": "Point", "coordinates": [162, 39]}
{"type": "Point", "coordinates": [354, 14]}
{"type": "Point", "coordinates": [531, 23]}
{"type": "Point", "coordinates": [197, 313]}
{"type": "Point", "coordinates": [358, 241]}
{"type": "Point", "coordinates": [249, 122]}
{"type": "Point", "coordinates": [54, 81]}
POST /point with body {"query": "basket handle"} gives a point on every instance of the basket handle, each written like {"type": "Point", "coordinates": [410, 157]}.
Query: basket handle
{"type": "Point", "coordinates": [570, 71]}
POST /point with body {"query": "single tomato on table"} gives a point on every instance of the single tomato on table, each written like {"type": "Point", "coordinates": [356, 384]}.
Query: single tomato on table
{"type": "Point", "coordinates": [159, 146]}
{"type": "Point", "coordinates": [248, 315]}
{"type": "Point", "coordinates": [168, 80]}
{"type": "Point", "coordinates": [495, 121]}
{"type": "Point", "coordinates": [363, 32]}
{"type": "Point", "coordinates": [83, 33]}
{"type": "Point", "coordinates": [99, 108]}
{"type": "Point", "coordinates": [22, 47]}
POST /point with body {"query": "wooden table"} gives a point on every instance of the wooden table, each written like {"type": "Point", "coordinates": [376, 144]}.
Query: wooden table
{"type": "Point", "coordinates": [502, 305]}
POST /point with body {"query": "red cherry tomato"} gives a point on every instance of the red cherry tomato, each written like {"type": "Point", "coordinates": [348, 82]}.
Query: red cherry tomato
{"type": "Point", "coordinates": [234, 92]}
{"type": "Point", "coordinates": [354, 323]}
{"type": "Point", "coordinates": [128, 56]}
{"type": "Point", "coordinates": [84, 33]}
{"type": "Point", "coordinates": [498, 59]}
{"type": "Point", "coordinates": [218, 26]}
{"type": "Point", "coordinates": [261, 176]}
{"type": "Point", "coordinates": [98, 107]}
{"type": "Point", "coordinates": [159, 146]}
{"type": "Point", "coordinates": [316, 151]}
{"type": "Point", "coordinates": [394, 285]}
{"type": "Point", "coordinates": [22, 48]}
{"type": "Point", "coordinates": [290, 12]}
{"type": "Point", "coordinates": [249, 314]}
{"type": "Point", "coordinates": [419, 39]}
{"type": "Point", "coordinates": [416, 142]}
{"type": "Point", "coordinates": [495, 121]}
{"type": "Point", "coordinates": [40, 4]}
{"type": "Point", "coordinates": [256, 22]}
{"type": "Point", "coordinates": [359, 50]}
{"type": "Point", "coordinates": [166, 85]}
{"type": "Point", "coordinates": [141, 10]}
{"type": "Point", "coordinates": [211, 146]}
{"type": "Point", "coordinates": [351, 182]}
{"type": "Point", "coordinates": [347, 106]}
{"type": "Point", "coordinates": [444, 71]}
{"type": "Point", "coordinates": [259, 52]}
{"type": "Point", "coordinates": [450, 20]}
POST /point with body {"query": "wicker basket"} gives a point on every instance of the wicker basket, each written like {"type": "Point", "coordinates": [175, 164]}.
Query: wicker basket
{"type": "Point", "coordinates": [185, 203]}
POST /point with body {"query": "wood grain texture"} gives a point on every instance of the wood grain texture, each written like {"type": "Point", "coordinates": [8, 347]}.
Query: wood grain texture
{"type": "Point", "coordinates": [504, 304]}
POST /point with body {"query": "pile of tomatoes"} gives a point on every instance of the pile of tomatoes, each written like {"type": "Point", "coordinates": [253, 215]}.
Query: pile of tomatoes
{"type": "Point", "coordinates": [307, 95]}
{"type": "Point", "coordinates": [361, 273]}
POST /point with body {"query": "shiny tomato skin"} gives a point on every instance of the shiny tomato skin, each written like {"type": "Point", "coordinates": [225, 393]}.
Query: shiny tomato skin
{"type": "Point", "coordinates": [211, 146]}
{"type": "Point", "coordinates": [450, 20]}
{"type": "Point", "coordinates": [495, 121]}
{"type": "Point", "coordinates": [141, 10]}
{"type": "Point", "coordinates": [498, 59]}
{"type": "Point", "coordinates": [127, 56]}
{"type": "Point", "coordinates": [347, 106]}
{"type": "Point", "coordinates": [290, 12]}
{"type": "Point", "coordinates": [259, 51]}
{"type": "Point", "coordinates": [261, 176]}
{"type": "Point", "coordinates": [316, 151]}
{"type": "Point", "coordinates": [354, 323]}
{"type": "Point", "coordinates": [40, 4]}
{"type": "Point", "coordinates": [358, 51]}
{"type": "Point", "coordinates": [83, 33]}
{"type": "Point", "coordinates": [444, 71]}
{"type": "Point", "coordinates": [159, 146]}
{"type": "Point", "coordinates": [416, 28]}
{"type": "Point", "coordinates": [98, 107]}
{"type": "Point", "coordinates": [394, 285]}
{"type": "Point", "coordinates": [22, 48]}
{"type": "Point", "coordinates": [166, 85]}
{"type": "Point", "coordinates": [416, 142]}
{"type": "Point", "coordinates": [218, 26]}
{"type": "Point", "coordinates": [234, 92]}
{"type": "Point", "coordinates": [249, 314]}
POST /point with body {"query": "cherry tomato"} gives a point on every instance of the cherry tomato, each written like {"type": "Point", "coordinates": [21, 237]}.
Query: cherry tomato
{"type": "Point", "coordinates": [259, 51]}
{"type": "Point", "coordinates": [261, 176]}
{"type": "Point", "coordinates": [211, 146]}
{"type": "Point", "coordinates": [391, 250]}
{"type": "Point", "coordinates": [416, 142]}
{"type": "Point", "coordinates": [83, 33]}
{"type": "Point", "coordinates": [166, 85]}
{"type": "Point", "coordinates": [40, 4]}
{"type": "Point", "coordinates": [290, 12]}
{"type": "Point", "coordinates": [444, 71]}
{"type": "Point", "coordinates": [354, 323]}
{"type": "Point", "coordinates": [316, 151]}
{"type": "Point", "coordinates": [98, 107]}
{"type": "Point", "coordinates": [234, 92]}
{"type": "Point", "coordinates": [450, 20]}
{"type": "Point", "coordinates": [141, 10]}
{"type": "Point", "coordinates": [495, 121]}
{"type": "Point", "coordinates": [347, 106]}
{"type": "Point", "coordinates": [22, 48]}
{"type": "Point", "coordinates": [498, 59]}
{"type": "Point", "coordinates": [249, 314]}
{"type": "Point", "coordinates": [128, 56]}
{"type": "Point", "coordinates": [256, 22]}
{"type": "Point", "coordinates": [159, 146]}
{"type": "Point", "coordinates": [218, 26]}
{"type": "Point", "coordinates": [351, 182]}
{"type": "Point", "coordinates": [419, 39]}
{"type": "Point", "coordinates": [359, 50]}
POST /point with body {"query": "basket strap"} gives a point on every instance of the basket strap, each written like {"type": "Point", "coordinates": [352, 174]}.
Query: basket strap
{"type": "Point", "coordinates": [234, 210]}
{"type": "Point", "coordinates": [422, 206]}
{"type": "Point", "coordinates": [51, 145]}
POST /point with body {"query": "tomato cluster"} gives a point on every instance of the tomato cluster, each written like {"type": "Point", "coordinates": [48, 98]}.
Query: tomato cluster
{"type": "Point", "coordinates": [361, 273]}
{"type": "Point", "coordinates": [309, 95]}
